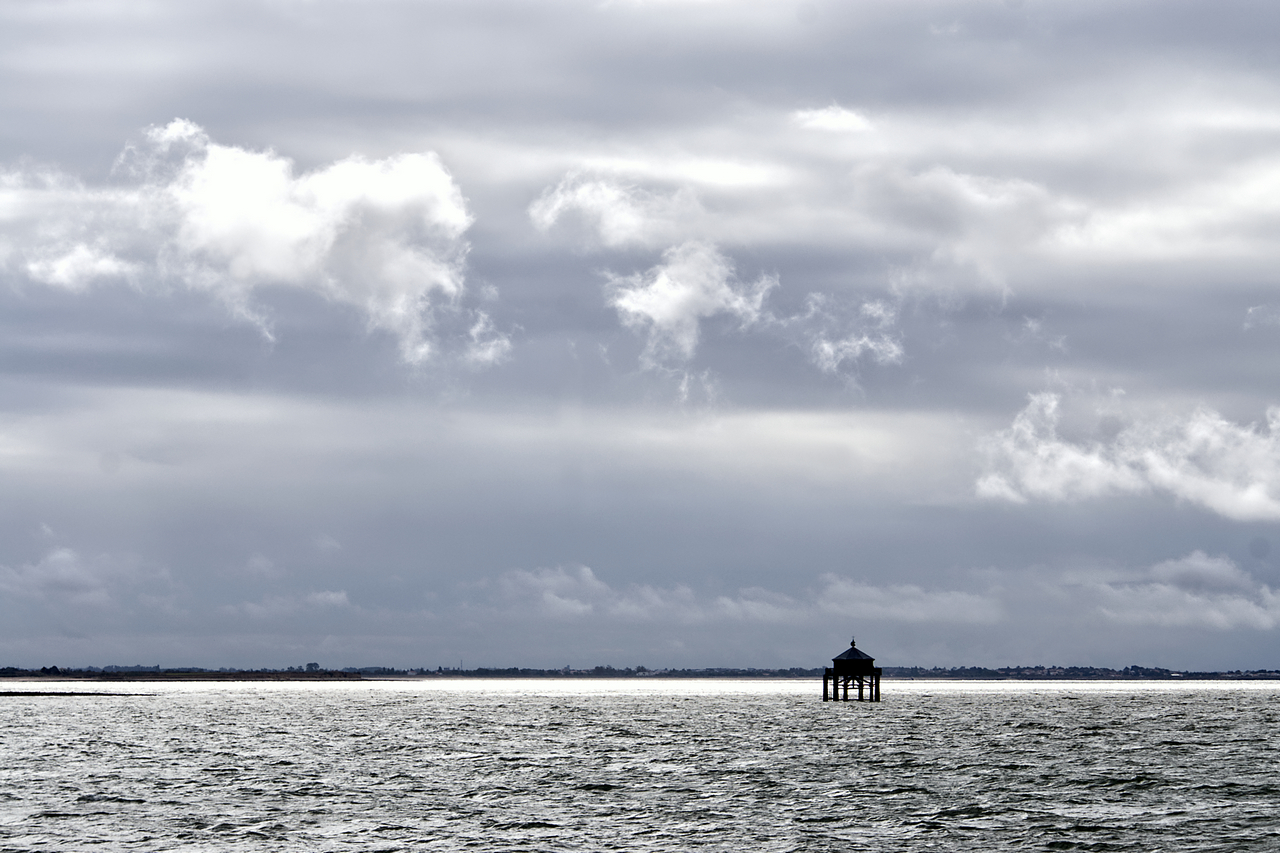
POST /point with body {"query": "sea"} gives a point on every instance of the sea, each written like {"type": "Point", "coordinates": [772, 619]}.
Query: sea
{"type": "Point", "coordinates": [639, 765]}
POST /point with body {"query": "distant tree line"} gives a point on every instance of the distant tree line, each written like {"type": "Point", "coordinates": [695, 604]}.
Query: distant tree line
{"type": "Point", "coordinates": [186, 673]}
{"type": "Point", "coordinates": [638, 672]}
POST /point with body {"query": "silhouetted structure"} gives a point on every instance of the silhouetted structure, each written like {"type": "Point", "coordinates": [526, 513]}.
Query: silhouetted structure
{"type": "Point", "coordinates": [851, 668]}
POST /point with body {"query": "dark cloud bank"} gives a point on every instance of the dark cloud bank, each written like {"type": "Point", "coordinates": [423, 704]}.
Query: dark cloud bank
{"type": "Point", "coordinates": [639, 333]}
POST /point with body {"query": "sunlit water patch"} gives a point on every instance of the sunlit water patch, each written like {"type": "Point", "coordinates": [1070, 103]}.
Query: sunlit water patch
{"type": "Point", "coordinates": [640, 765]}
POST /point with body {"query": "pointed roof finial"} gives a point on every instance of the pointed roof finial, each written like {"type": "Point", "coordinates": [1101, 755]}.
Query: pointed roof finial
{"type": "Point", "coordinates": [853, 642]}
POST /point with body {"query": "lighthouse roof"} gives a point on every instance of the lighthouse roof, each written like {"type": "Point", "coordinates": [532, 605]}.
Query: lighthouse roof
{"type": "Point", "coordinates": [853, 653]}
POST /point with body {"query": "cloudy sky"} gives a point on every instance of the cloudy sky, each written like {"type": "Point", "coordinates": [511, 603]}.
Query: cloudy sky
{"type": "Point", "coordinates": [639, 333]}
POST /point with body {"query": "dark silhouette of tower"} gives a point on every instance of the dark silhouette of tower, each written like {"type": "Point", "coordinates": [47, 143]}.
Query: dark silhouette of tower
{"type": "Point", "coordinates": [851, 668]}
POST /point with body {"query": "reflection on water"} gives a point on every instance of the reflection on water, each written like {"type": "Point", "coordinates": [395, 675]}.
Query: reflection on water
{"type": "Point", "coordinates": [650, 765]}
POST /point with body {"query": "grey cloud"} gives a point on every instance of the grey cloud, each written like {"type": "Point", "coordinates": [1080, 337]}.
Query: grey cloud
{"type": "Point", "coordinates": [1194, 591]}
{"type": "Point", "coordinates": [908, 603]}
{"type": "Point", "coordinates": [1261, 316]}
{"type": "Point", "coordinates": [1200, 572]}
{"type": "Point", "coordinates": [576, 593]}
{"type": "Point", "coordinates": [59, 574]}
{"type": "Point", "coordinates": [279, 606]}
{"type": "Point", "coordinates": [884, 225]}
{"type": "Point", "coordinates": [100, 588]}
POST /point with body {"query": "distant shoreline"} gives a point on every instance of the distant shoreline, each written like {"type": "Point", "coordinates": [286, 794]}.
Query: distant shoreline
{"type": "Point", "coordinates": [1037, 673]}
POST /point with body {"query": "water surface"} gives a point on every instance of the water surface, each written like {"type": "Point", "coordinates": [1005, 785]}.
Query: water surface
{"type": "Point", "coordinates": [641, 766]}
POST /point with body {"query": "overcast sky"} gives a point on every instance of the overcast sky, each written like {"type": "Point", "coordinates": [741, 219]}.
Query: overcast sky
{"type": "Point", "coordinates": [673, 334]}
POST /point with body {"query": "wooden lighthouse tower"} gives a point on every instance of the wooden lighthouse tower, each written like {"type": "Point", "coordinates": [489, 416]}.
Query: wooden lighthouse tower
{"type": "Point", "coordinates": [852, 668]}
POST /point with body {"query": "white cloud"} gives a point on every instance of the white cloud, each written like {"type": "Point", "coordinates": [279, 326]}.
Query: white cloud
{"type": "Point", "coordinates": [78, 267]}
{"type": "Point", "coordinates": [487, 345]}
{"type": "Point", "coordinates": [618, 213]}
{"type": "Point", "coordinates": [834, 338]}
{"type": "Point", "coordinates": [385, 236]}
{"type": "Point", "coordinates": [1034, 462]}
{"type": "Point", "coordinates": [832, 118]}
{"type": "Point", "coordinates": [1230, 469]}
{"type": "Point", "coordinates": [694, 281]}
{"type": "Point", "coordinates": [828, 355]}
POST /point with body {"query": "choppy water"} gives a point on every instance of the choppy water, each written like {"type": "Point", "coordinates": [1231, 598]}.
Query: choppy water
{"type": "Point", "coordinates": [643, 766]}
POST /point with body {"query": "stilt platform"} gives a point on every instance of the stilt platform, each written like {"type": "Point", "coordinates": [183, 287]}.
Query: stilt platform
{"type": "Point", "coordinates": [865, 687]}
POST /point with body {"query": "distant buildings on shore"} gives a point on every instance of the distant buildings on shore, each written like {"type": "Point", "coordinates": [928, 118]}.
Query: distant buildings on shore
{"type": "Point", "coordinates": [1073, 673]}
{"type": "Point", "coordinates": [312, 671]}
